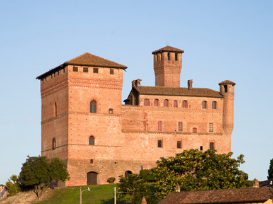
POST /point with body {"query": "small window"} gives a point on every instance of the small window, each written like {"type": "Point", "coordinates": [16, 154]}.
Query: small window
{"type": "Point", "coordinates": [210, 127]}
{"type": "Point", "coordinates": [178, 145]}
{"type": "Point", "coordinates": [91, 140]}
{"type": "Point", "coordinates": [166, 103]}
{"type": "Point", "coordinates": [194, 130]}
{"type": "Point", "coordinates": [180, 126]}
{"type": "Point", "coordinates": [111, 111]}
{"type": "Point", "coordinates": [225, 87]}
{"type": "Point", "coordinates": [85, 69]}
{"type": "Point", "coordinates": [146, 102]}
{"type": "Point", "coordinates": [175, 104]}
{"type": "Point", "coordinates": [168, 56]}
{"type": "Point", "coordinates": [156, 102]}
{"type": "Point", "coordinates": [204, 105]}
{"type": "Point", "coordinates": [93, 106]}
{"type": "Point", "coordinates": [75, 69]}
{"type": "Point", "coordinates": [185, 104]}
{"type": "Point", "coordinates": [159, 125]}
{"type": "Point", "coordinates": [53, 143]}
{"type": "Point", "coordinates": [55, 110]}
{"type": "Point", "coordinates": [176, 57]}
{"type": "Point", "coordinates": [211, 145]}
{"type": "Point", "coordinates": [159, 143]}
{"type": "Point", "coordinates": [91, 161]}
{"type": "Point", "coordinates": [201, 148]}
{"type": "Point", "coordinates": [96, 70]}
{"type": "Point", "coordinates": [64, 70]}
{"type": "Point", "coordinates": [111, 71]}
{"type": "Point", "coordinates": [214, 105]}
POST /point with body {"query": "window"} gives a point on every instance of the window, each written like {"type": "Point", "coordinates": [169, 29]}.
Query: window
{"type": "Point", "coordinates": [214, 105]}
{"type": "Point", "coordinates": [210, 127]}
{"type": "Point", "coordinates": [85, 69]}
{"type": "Point", "coordinates": [166, 103]}
{"type": "Point", "coordinates": [194, 130]}
{"type": "Point", "coordinates": [75, 69]}
{"type": "Point", "coordinates": [111, 71]}
{"type": "Point", "coordinates": [91, 140]}
{"type": "Point", "coordinates": [185, 104]}
{"type": "Point", "coordinates": [93, 106]}
{"type": "Point", "coordinates": [146, 102]}
{"type": "Point", "coordinates": [211, 145]}
{"type": "Point", "coordinates": [178, 145]}
{"type": "Point", "coordinates": [53, 143]}
{"type": "Point", "coordinates": [55, 110]}
{"type": "Point", "coordinates": [96, 70]}
{"type": "Point", "coordinates": [201, 148]}
{"type": "Point", "coordinates": [159, 143]}
{"type": "Point", "coordinates": [91, 161]}
{"type": "Point", "coordinates": [175, 104]}
{"type": "Point", "coordinates": [111, 111]}
{"type": "Point", "coordinates": [156, 102]}
{"type": "Point", "coordinates": [159, 125]}
{"type": "Point", "coordinates": [180, 126]}
{"type": "Point", "coordinates": [168, 56]}
{"type": "Point", "coordinates": [225, 87]}
{"type": "Point", "coordinates": [204, 104]}
{"type": "Point", "coordinates": [176, 57]}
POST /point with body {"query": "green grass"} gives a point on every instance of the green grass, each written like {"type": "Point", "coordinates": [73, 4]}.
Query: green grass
{"type": "Point", "coordinates": [69, 195]}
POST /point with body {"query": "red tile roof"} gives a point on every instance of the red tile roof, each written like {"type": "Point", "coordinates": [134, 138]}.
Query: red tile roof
{"type": "Point", "coordinates": [168, 49]}
{"type": "Point", "coordinates": [240, 195]}
{"type": "Point", "coordinates": [169, 91]}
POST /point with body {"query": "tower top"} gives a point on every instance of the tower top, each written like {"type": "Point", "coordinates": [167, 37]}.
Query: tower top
{"type": "Point", "coordinates": [168, 49]}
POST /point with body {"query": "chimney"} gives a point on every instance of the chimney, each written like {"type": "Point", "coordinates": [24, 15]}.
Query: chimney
{"type": "Point", "coordinates": [177, 188]}
{"type": "Point", "coordinates": [256, 183]}
{"type": "Point", "coordinates": [136, 83]}
{"type": "Point", "coordinates": [143, 201]}
{"type": "Point", "coordinates": [190, 84]}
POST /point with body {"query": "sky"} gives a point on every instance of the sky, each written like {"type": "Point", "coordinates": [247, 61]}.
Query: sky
{"type": "Point", "coordinates": [222, 40]}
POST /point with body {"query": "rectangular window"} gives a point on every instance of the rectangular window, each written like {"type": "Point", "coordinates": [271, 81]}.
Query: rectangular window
{"type": "Point", "coordinates": [225, 87]}
{"type": "Point", "coordinates": [85, 69]}
{"type": "Point", "coordinates": [210, 127]}
{"type": "Point", "coordinates": [75, 69]}
{"type": "Point", "coordinates": [111, 111]}
{"type": "Point", "coordinates": [159, 143]}
{"type": "Point", "coordinates": [201, 148]}
{"type": "Point", "coordinates": [146, 102]}
{"type": "Point", "coordinates": [91, 161]}
{"type": "Point", "coordinates": [176, 58]}
{"type": "Point", "coordinates": [96, 70]}
{"type": "Point", "coordinates": [175, 104]}
{"type": "Point", "coordinates": [111, 71]}
{"type": "Point", "coordinates": [211, 145]}
{"type": "Point", "coordinates": [159, 125]}
{"type": "Point", "coordinates": [180, 126]}
{"type": "Point", "coordinates": [179, 145]}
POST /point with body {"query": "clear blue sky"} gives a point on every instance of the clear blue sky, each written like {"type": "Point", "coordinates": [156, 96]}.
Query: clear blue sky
{"type": "Point", "coordinates": [222, 40]}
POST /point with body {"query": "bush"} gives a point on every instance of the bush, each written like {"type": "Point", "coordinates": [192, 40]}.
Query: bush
{"type": "Point", "coordinates": [111, 180]}
{"type": "Point", "coordinates": [13, 185]}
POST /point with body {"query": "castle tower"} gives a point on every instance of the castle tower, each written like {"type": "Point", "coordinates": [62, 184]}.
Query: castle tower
{"type": "Point", "coordinates": [227, 90]}
{"type": "Point", "coordinates": [167, 66]}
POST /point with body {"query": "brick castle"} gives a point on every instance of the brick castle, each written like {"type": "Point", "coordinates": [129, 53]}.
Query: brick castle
{"type": "Point", "coordinates": [85, 123]}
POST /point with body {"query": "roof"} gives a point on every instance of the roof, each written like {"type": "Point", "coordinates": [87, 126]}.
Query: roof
{"type": "Point", "coordinates": [244, 195]}
{"type": "Point", "coordinates": [168, 49]}
{"type": "Point", "coordinates": [169, 91]}
{"type": "Point", "coordinates": [86, 59]}
{"type": "Point", "coordinates": [227, 82]}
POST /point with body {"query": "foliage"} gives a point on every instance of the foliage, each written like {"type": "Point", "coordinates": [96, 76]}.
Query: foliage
{"type": "Point", "coordinates": [147, 175]}
{"type": "Point", "coordinates": [270, 170]}
{"type": "Point", "coordinates": [111, 180]}
{"type": "Point", "coordinates": [197, 170]}
{"type": "Point", "coordinates": [13, 185]}
{"type": "Point", "coordinates": [39, 172]}
{"type": "Point", "coordinates": [132, 187]}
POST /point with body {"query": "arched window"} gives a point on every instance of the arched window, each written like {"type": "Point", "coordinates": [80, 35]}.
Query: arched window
{"type": "Point", "coordinates": [166, 103]}
{"type": "Point", "coordinates": [194, 130]}
{"type": "Point", "coordinates": [53, 143]}
{"type": "Point", "coordinates": [146, 102]}
{"type": "Point", "coordinates": [214, 105]}
{"type": "Point", "coordinates": [93, 106]}
{"type": "Point", "coordinates": [91, 140]}
{"type": "Point", "coordinates": [156, 102]}
{"type": "Point", "coordinates": [55, 109]}
{"type": "Point", "coordinates": [185, 104]}
{"type": "Point", "coordinates": [127, 173]}
{"type": "Point", "coordinates": [175, 104]}
{"type": "Point", "coordinates": [204, 105]}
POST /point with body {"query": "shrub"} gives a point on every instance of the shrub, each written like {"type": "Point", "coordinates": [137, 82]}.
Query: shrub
{"type": "Point", "coordinates": [13, 185]}
{"type": "Point", "coordinates": [111, 180]}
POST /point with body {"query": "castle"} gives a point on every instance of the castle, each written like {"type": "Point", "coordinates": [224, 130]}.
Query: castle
{"type": "Point", "coordinates": [85, 124]}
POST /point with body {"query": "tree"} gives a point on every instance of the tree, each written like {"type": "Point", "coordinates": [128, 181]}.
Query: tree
{"type": "Point", "coordinates": [270, 170]}
{"type": "Point", "coordinates": [13, 185]}
{"type": "Point", "coordinates": [197, 170]}
{"type": "Point", "coordinates": [39, 172]}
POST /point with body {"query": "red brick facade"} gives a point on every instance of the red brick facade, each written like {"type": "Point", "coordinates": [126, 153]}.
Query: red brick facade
{"type": "Point", "coordinates": [85, 124]}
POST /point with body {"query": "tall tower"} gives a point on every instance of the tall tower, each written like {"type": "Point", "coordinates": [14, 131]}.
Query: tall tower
{"type": "Point", "coordinates": [167, 66]}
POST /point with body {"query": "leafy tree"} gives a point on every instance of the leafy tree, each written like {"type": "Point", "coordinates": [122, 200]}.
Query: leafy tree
{"type": "Point", "coordinates": [13, 185]}
{"type": "Point", "coordinates": [147, 175]}
{"type": "Point", "coordinates": [197, 170]}
{"type": "Point", "coordinates": [39, 172]}
{"type": "Point", "coordinates": [270, 170]}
